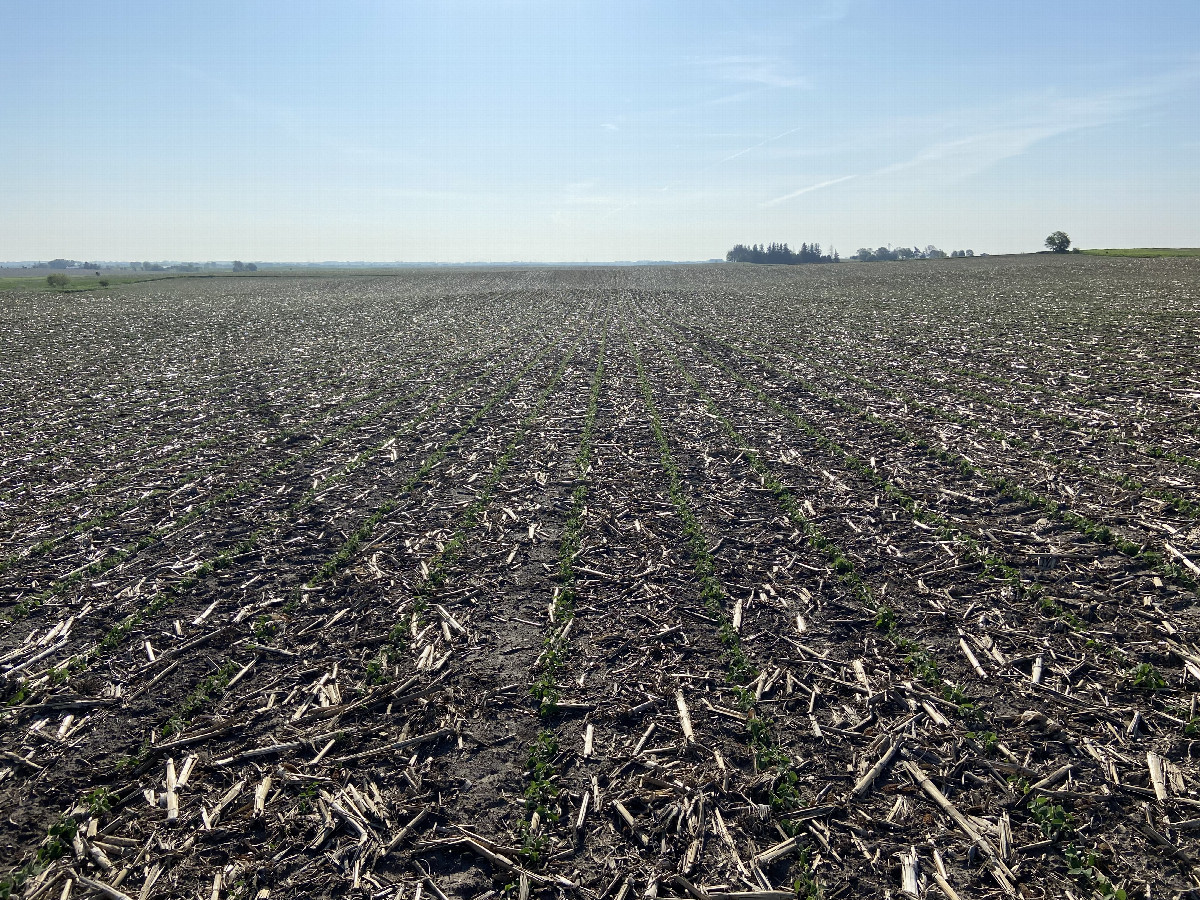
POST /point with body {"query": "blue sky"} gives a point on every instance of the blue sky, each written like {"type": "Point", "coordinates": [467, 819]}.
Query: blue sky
{"type": "Point", "coordinates": [529, 130]}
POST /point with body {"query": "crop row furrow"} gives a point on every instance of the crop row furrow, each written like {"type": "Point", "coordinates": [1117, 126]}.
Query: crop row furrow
{"type": "Point", "coordinates": [115, 477]}
{"type": "Point", "coordinates": [167, 595]}
{"type": "Point", "coordinates": [973, 715]}
{"type": "Point", "coordinates": [108, 561]}
{"type": "Point", "coordinates": [1003, 484]}
{"type": "Point", "coordinates": [995, 428]}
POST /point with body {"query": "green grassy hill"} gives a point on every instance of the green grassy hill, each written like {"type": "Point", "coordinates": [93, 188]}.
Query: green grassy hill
{"type": "Point", "coordinates": [1146, 251]}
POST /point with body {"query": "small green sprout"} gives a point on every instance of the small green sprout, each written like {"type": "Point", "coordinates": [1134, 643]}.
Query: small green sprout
{"type": "Point", "coordinates": [1146, 678]}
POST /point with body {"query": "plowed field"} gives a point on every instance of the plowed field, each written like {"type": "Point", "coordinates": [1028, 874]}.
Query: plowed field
{"type": "Point", "coordinates": [711, 581]}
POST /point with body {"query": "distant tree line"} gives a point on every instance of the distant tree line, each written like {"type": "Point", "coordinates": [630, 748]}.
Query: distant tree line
{"type": "Point", "coordinates": [780, 254]}
{"type": "Point", "coordinates": [238, 266]}
{"type": "Point", "coordinates": [887, 254]}
{"type": "Point", "coordinates": [160, 267]}
{"type": "Point", "coordinates": [71, 264]}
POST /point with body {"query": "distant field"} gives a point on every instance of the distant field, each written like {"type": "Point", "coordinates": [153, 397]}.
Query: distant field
{"type": "Point", "coordinates": [25, 282]}
{"type": "Point", "coordinates": [34, 280]}
{"type": "Point", "coordinates": [1146, 251]}
{"type": "Point", "coordinates": [558, 577]}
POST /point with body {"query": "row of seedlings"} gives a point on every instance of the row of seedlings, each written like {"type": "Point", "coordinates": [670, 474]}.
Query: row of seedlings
{"type": "Point", "coordinates": [946, 524]}
{"type": "Point", "coordinates": [768, 776]}
{"type": "Point", "coordinates": [627, 576]}
{"type": "Point", "coordinates": [420, 646]}
{"type": "Point", "coordinates": [268, 421]}
{"type": "Point", "coordinates": [118, 466]}
{"type": "Point", "coordinates": [165, 595]}
{"type": "Point", "coordinates": [490, 839]}
{"type": "Point", "coordinates": [171, 670]}
{"type": "Point", "coordinates": [1168, 565]}
{"type": "Point", "coordinates": [205, 475]}
{"type": "Point", "coordinates": [312, 720]}
{"type": "Point", "coordinates": [1107, 390]}
{"type": "Point", "coordinates": [980, 420]}
{"type": "Point", "coordinates": [600, 820]}
{"type": "Point", "coordinates": [541, 792]}
{"type": "Point", "coordinates": [846, 588]}
{"type": "Point", "coordinates": [293, 466]}
{"type": "Point", "coordinates": [926, 666]}
{"type": "Point", "coordinates": [287, 418]}
{"type": "Point", "coordinates": [1057, 465]}
{"type": "Point", "coordinates": [1126, 438]}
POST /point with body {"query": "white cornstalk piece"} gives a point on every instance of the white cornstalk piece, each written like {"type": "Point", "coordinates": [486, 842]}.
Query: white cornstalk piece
{"type": "Point", "coordinates": [685, 718]}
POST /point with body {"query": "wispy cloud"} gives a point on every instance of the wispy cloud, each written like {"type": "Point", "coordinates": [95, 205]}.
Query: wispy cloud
{"type": "Point", "coordinates": [988, 137]}
{"type": "Point", "coordinates": [282, 118]}
{"type": "Point", "coordinates": [808, 190]}
{"type": "Point", "coordinates": [585, 193]}
{"type": "Point", "coordinates": [767, 71]}
{"type": "Point", "coordinates": [979, 146]}
{"type": "Point", "coordinates": [976, 140]}
{"type": "Point", "coordinates": [959, 157]}
{"type": "Point", "coordinates": [975, 153]}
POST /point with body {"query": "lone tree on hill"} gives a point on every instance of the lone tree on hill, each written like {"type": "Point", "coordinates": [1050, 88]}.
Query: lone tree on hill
{"type": "Point", "coordinates": [1058, 242]}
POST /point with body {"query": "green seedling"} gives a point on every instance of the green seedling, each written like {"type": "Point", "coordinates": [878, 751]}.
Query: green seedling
{"type": "Point", "coordinates": [805, 885]}
{"type": "Point", "coordinates": [264, 629]}
{"type": "Point", "coordinates": [306, 798]}
{"type": "Point", "coordinates": [1051, 817]}
{"type": "Point", "coordinates": [376, 671]}
{"type": "Point", "coordinates": [1084, 870]}
{"type": "Point", "coordinates": [99, 801]}
{"type": "Point", "coordinates": [1146, 678]}
{"type": "Point", "coordinates": [989, 740]}
{"type": "Point", "coordinates": [58, 841]}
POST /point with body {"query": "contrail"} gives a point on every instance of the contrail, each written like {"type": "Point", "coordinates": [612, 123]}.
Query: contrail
{"type": "Point", "coordinates": [808, 190]}
{"type": "Point", "coordinates": [755, 147]}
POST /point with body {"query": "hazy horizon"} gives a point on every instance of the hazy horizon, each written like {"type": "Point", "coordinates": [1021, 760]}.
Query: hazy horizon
{"type": "Point", "coordinates": [523, 130]}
